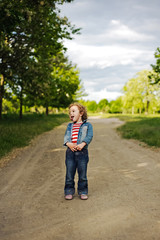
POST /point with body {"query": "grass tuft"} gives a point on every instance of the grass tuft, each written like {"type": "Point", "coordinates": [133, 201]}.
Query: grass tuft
{"type": "Point", "coordinates": [15, 133]}
{"type": "Point", "coordinates": [143, 128]}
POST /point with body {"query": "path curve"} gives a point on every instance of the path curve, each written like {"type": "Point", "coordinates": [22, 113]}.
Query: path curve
{"type": "Point", "coordinates": [124, 190]}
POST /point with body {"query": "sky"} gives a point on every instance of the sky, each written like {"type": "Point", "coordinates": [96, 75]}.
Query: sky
{"type": "Point", "coordinates": [118, 39]}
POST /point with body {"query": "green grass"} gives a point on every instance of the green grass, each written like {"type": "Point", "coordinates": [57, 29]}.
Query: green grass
{"type": "Point", "coordinates": [143, 128]}
{"type": "Point", "coordinates": [16, 133]}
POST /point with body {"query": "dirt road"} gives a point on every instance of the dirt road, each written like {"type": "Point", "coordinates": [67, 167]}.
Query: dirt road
{"type": "Point", "coordinates": [124, 190]}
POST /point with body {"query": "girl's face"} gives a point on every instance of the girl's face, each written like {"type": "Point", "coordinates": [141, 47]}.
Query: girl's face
{"type": "Point", "coordinates": [75, 115]}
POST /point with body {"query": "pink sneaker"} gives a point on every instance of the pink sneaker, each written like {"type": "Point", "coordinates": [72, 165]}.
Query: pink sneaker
{"type": "Point", "coordinates": [84, 197]}
{"type": "Point", "coordinates": [69, 197]}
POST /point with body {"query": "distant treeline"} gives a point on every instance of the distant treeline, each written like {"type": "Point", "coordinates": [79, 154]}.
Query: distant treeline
{"type": "Point", "coordinates": [140, 95]}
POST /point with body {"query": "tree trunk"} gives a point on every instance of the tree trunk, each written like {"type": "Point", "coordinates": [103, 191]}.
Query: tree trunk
{"type": "Point", "coordinates": [47, 111]}
{"type": "Point", "coordinates": [1, 94]}
{"type": "Point", "coordinates": [132, 110]}
{"type": "Point", "coordinates": [21, 102]}
{"type": "Point", "coordinates": [147, 107]}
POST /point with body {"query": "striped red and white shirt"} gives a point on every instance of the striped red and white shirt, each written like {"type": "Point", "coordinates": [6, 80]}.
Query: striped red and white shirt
{"type": "Point", "coordinates": [75, 131]}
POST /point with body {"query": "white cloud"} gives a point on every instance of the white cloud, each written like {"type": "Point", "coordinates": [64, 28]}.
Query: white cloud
{"type": "Point", "coordinates": [97, 96]}
{"type": "Point", "coordinates": [117, 40]}
{"type": "Point", "coordinates": [121, 31]}
{"type": "Point", "coordinates": [89, 84]}
{"type": "Point", "coordinates": [115, 31]}
{"type": "Point", "coordinates": [105, 56]}
{"type": "Point", "coordinates": [101, 89]}
{"type": "Point", "coordinates": [115, 87]}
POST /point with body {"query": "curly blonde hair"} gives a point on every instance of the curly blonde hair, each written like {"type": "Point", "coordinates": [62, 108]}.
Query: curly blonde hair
{"type": "Point", "coordinates": [81, 108]}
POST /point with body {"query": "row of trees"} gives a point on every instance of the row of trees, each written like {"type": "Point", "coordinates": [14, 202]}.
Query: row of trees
{"type": "Point", "coordinates": [104, 106]}
{"type": "Point", "coordinates": [140, 94]}
{"type": "Point", "coordinates": [33, 67]}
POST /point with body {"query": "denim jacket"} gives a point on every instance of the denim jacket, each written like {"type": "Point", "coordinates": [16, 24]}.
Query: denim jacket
{"type": "Point", "coordinates": [85, 133]}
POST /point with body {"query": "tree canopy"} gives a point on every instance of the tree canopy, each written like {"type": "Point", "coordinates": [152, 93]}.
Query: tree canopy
{"type": "Point", "coordinates": [31, 47]}
{"type": "Point", "coordinates": [155, 78]}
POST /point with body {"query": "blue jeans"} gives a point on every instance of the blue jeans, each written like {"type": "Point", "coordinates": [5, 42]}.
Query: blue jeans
{"type": "Point", "coordinates": [76, 161]}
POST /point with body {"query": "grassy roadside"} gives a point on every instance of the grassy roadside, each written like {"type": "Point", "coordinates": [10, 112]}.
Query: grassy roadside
{"type": "Point", "coordinates": [15, 133]}
{"type": "Point", "coordinates": [143, 128]}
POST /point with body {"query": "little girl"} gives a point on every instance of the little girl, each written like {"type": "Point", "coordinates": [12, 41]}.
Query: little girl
{"type": "Point", "coordinates": [77, 137]}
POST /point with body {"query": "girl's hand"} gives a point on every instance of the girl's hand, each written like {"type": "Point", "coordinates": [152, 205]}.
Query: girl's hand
{"type": "Point", "coordinates": [72, 146]}
{"type": "Point", "coordinates": [80, 146]}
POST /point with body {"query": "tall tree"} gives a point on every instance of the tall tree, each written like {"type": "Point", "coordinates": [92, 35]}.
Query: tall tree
{"type": "Point", "coordinates": [59, 89]}
{"type": "Point", "coordinates": [30, 31]}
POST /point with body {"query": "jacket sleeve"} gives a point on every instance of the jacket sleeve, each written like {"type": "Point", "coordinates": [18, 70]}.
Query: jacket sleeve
{"type": "Point", "coordinates": [89, 135]}
{"type": "Point", "coordinates": [67, 136]}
